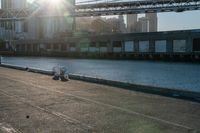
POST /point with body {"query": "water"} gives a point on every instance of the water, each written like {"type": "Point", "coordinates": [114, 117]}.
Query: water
{"type": "Point", "coordinates": [163, 74]}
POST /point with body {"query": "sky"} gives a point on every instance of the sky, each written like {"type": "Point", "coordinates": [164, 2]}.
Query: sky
{"type": "Point", "coordinates": [179, 21]}
{"type": "Point", "coordinates": [176, 21]}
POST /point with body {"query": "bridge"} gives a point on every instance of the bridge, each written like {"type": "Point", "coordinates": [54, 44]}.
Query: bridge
{"type": "Point", "coordinates": [14, 14]}
{"type": "Point", "coordinates": [118, 7]}
{"type": "Point", "coordinates": [109, 7]}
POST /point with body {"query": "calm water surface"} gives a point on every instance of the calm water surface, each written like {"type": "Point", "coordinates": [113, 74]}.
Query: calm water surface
{"type": "Point", "coordinates": [163, 74]}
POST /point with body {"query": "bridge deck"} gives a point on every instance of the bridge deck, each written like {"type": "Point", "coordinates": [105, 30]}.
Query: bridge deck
{"type": "Point", "coordinates": [134, 7]}
{"type": "Point", "coordinates": [31, 103]}
{"type": "Point", "coordinates": [107, 3]}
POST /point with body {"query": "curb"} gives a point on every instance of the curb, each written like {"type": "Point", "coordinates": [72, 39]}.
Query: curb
{"type": "Point", "coordinates": [175, 93]}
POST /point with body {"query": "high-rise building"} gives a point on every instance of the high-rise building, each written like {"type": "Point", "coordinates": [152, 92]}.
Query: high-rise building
{"type": "Point", "coordinates": [131, 22]}
{"type": "Point", "coordinates": [100, 26]}
{"type": "Point", "coordinates": [115, 24]}
{"type": "Point", "coordinates": [122, 24]}
{"type": "Point", "coordinates": [5, 4]}
{"type": "Point", "coordinates": [13, 4]}
{"type": "Point", "coordinates": [143, 24]}
{"type": "Point", "coordinates": [84, 23]}
{"type": "Point", "coordinates": [43, 23]}
{"type": "Point", "coordinates": [13, 28]}
{"type": "Point", "coordinates": [153, 21]}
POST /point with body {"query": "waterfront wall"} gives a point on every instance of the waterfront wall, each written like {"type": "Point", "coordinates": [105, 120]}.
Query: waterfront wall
{"type": "Point", "coordinates": [170, 92]}
{"type": "Point", "coordinates": [155, 45]}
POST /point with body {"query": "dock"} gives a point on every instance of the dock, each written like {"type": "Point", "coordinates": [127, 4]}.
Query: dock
{"type": "Point", "coordinates": [34, 103]}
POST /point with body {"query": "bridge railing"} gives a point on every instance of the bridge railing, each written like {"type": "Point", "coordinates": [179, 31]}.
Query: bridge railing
{"type": "Point", "coordinates": [129, 7]}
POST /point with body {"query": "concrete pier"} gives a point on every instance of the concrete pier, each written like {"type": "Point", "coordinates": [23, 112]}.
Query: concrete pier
{"type": "Point", "coordinates": [31, 102]}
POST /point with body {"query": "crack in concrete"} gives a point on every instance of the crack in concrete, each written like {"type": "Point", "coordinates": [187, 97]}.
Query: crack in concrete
{"type": "Point", "coordinates": [7, 128]}
{"type": "Point", "coordinates": [57, 114]}
{"type": "Point", "coordinates": [107, 105]}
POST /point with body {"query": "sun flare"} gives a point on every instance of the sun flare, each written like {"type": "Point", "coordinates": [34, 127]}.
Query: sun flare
{"type": "Point", "coordinates": [55, 2]}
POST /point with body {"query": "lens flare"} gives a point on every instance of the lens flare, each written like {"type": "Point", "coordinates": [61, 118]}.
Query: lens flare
{"type": "Point", "coordinates": [55, 2]}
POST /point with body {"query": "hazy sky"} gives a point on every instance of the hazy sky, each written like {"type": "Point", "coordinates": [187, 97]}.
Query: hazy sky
{"type": "Point", "coordinates": [179, 21]}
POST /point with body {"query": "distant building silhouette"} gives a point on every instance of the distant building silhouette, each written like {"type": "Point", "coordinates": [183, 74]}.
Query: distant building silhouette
{"type": "Point", "coordinates": [153, 21]}
{"type": "Point", "coordinates": [122, 24]}
{"type": "Point", "coordinates": [145, 24]}
{"type": "Point", "coordinates": [100, 26]}
{"type": "Point", "coordinates": [131, 23]}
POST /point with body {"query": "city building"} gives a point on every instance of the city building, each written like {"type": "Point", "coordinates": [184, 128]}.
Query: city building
{"type": "Point", "coordinates": [12, 29]}
{"type": "Point", "coordinates": [148, 23]}
{"type": "Point", "coordinates": [49, 22]}
{"type": "Point", "coordinates": [45, 22]}
{"type": "Point", "coordinates": [99, 26]}
{"type": "Point", "coordinates": [153, 21]}
{"type": "Point", "coordinates": [117, 24]}
{"type": "Point", "coordinates": [84, 23]}
{"type": "Point", "coordinates": [143, 24]}
{"type": "Point", "coordinates": [122, 24]}
{"type": "Point", "coordinates": [53, 20]}
{"type": "Point", "coordinates": [131, 23]}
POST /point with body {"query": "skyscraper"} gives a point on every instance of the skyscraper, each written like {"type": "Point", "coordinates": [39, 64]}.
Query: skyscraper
{"type": "Point", "coordinates": [5, 4]}
{"type": "Point", "coordinates": [144, 24]}
{"type": "Point", "coordinates": [153, 21]}
{"type": "Point", "coordinates": [13, 26]}
{"type": "Point", "coordinates": [14, 4]}
{"type": "Point", "coordinates": [131, 22]}
{"type": "Point", "coordinates": [122, 24]}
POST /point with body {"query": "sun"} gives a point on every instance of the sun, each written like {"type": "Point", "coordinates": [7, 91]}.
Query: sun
{"type": "Point", "coordinates": [55, 2]}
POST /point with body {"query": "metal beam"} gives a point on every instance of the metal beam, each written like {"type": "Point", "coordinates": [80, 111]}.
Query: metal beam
{"type": "Point", "coordinates": [14, 14]}
{"type": "Point", "coordinates": [136, 7]}
{"type": "Point", "coordinates": [109, 8]}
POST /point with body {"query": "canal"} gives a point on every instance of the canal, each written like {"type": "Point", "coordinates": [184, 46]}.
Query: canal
{"type": "Point", "coordinates": [162, 74]}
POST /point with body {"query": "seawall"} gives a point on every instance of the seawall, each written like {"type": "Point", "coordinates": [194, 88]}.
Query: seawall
{"type": "Point", "coordinates": [169, 92]}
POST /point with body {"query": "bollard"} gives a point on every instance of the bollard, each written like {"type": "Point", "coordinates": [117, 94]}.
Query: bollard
{"type": "Point", "coordinates": [60, 73]}
{"type": "Point", "coordinates": [64, 74]}
{"type": "Point", "coordinates": [56, 71]}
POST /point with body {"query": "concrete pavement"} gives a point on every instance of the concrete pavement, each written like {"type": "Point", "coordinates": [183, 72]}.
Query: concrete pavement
{"type": "Point", "coordinates": [34, 103]}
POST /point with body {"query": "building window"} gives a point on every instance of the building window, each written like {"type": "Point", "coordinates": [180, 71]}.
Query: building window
{"type": "Point", "coordinates": [179, 45]}
{"type": "Point", "coordinates": [143, 46]}
{"type": "Point", "coordinates": [160, 46]}
{"type": "Point", "coordinates": [55, 46]}
{"type": "Point", "coordinates": [63, 47]}
{"type": "Point", "coordinates": [128, 46]}
{"type": "Point", "coordinates": [48, 46]}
